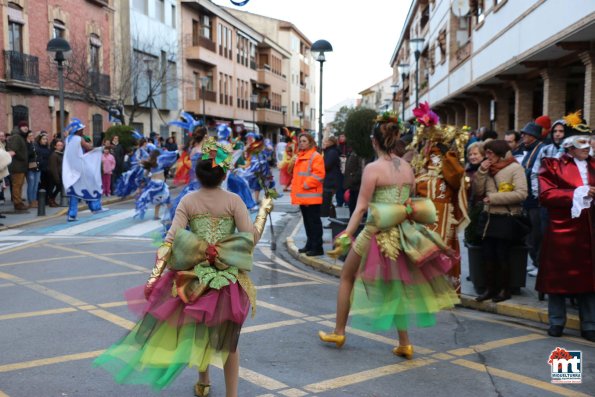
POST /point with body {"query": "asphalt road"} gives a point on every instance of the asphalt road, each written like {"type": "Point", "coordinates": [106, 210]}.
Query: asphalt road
{"type": "Point", "coordinates": [61, 305]}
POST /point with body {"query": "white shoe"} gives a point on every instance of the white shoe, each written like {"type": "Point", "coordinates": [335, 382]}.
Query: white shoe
{"type": "Point", "coordinates": [533, 273]}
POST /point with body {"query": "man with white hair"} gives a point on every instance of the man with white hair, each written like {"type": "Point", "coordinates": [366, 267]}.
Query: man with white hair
{"type": "Point", "coordinates": [567, 262]}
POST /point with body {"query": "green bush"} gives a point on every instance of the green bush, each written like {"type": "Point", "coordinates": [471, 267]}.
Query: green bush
{"type": "Point", "coordinates": [125, 134]}
{"type": "Point", "coordinates": [358, 128]}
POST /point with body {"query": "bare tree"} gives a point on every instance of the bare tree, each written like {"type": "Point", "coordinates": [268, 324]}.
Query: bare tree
{"type": "Point", "coordinates": [136, 77]}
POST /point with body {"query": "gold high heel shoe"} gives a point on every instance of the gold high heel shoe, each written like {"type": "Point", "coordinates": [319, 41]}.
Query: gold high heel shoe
{"type": "Point", "coordinates": [338, 340]}
{"type": "Point", "coordinates": [201, 390]}
{"type": "Point", "coordinates": [404, 351]}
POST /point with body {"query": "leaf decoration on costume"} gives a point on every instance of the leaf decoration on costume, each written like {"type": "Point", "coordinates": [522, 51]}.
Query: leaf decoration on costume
{"type": "Point", "coordinates": [219, 152]}
{"type": "Point", "coordinates": [214, 278]}
{"type": "Point", "coordinates": [425, 115]}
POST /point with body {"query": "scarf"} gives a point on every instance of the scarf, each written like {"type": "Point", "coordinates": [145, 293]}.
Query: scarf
{"type": "Point", "coordinates": [503, 163]}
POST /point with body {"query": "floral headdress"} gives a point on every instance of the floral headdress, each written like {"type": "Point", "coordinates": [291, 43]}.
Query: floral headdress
{"type": "Point", "coordinates": [219, 152]}
{"type": "Point", "coordinates": [430, 133]}
{"type": "Point", "coordinates": [577, 132]}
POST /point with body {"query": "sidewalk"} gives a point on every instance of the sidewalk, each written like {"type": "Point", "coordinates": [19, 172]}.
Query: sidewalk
{"type": "Point", "coordinates": [526, 305]}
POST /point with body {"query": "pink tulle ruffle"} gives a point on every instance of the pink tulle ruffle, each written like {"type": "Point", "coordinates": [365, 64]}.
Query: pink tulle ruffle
{"type": "Point", "coordinates": [378, 266]}
{"type": "Point", "coordinates": [230, 303]}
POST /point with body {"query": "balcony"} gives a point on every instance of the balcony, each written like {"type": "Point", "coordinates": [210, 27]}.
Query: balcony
{"type": "Point", "coordinates": [201, 50]}
{"type": "Point", "coordinates": [304, 68]}
{"type": "Point", "coordinates": [193, 100]}
{"type": "Point", "coordinates": [99, 83]}
{"type": "Point", "coordinates": [269, 116]}
{"type": "Point", "coordinates": [304, 95]}
{"type": "Point", "coordinates": [268, 78]}
{"type": "Point", "coordinates": [22, 70]}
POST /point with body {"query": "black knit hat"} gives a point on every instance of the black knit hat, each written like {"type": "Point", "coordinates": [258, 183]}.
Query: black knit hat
{"type": "Point", "coordinates": [532, 129]}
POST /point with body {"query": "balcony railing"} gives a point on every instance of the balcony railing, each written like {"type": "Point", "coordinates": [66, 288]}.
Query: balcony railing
{"type": "Point", "coordinates": [21, 67]}
{"type": "Point", "coordinates": [207, 43]}
{"type": "Point", "coordinates": [100, 83]}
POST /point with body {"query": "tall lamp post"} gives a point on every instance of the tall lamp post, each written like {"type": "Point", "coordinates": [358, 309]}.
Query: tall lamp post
{"type": "Point", "coordinates": [416, 44]}
{"type": "Point", "coordinates": [254, 101]}
{"type": "Point", "coordinates": [403, 71]}
{"type": "Point", "coordinates": [320, 46]}
{"type": "Point", "coordinates": [61, 50]}
{"type": "Point", "coordinates": [204, 82]}
{"type": "Point", "coordinates": [395, 89]}
{"type": "Point", "coordinates": [148, 63]}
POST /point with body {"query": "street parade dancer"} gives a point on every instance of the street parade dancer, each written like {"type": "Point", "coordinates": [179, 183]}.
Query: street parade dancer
{"type": "Point", "coordinates": [81, 170]}
{"type": "Point", "coordinates": [257, 171]}
{"type": "Point", "coordinates": [192, 314]}
{"type": "Point", "coordinates": [131, 180]}
{"type": "Point", "coordinates": [236, 183]}
{"type": "Point", "coordinates": [192, 155]}
{"type": "Point", "coordinates": [396, 267]}
{"type": "Point", "coordinates": [155, 190]}
{"type": "Point", "coordinates": [440, 176]}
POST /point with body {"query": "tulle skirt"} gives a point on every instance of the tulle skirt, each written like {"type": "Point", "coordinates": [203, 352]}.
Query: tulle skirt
{"type": "Point", "coordinates": [389, 293]}
{"type": "Point", "coordinates": [239, 186]}
{"type": "Point", "coordinates": [171, 335]}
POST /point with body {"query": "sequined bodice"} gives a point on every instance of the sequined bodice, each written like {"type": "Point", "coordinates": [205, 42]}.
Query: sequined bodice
{"type": "Point", "coordinates": [391, 194]}
{"type": "Point", "coordinates": [211, 228]}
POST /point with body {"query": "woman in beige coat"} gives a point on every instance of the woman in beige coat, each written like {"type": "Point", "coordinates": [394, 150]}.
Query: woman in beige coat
{"type": "Point", "coordinates": [502, 182]}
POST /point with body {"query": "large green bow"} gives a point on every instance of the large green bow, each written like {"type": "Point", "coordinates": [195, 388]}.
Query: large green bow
{"type": "Point", "coordinates": [417, 241]}
{"type": "Point", "coordinates": [201, 265]}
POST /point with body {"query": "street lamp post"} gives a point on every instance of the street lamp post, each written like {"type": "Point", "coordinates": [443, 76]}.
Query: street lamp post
{"type": "Point", "coordinates": [320, 46]}
{"type": "Point", "coordinates": [148, 63]}
{"type": "Point", "coordinates": [61, 50]}
{"type": "Point", "coordinates": [204, 81]}
{"type": "Point", "coordinates": [395, 89]}
{"type": "Point", "coordinates": [254, 101]}
{"type": "Point", "coordinates": [416, 45]}
{"type": "Point", "coordinates": [403, 71]}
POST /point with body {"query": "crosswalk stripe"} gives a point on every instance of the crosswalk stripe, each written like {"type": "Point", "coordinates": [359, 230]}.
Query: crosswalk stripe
{"type": "Point", "coordinates": [140, 228]}
{"type": "Point", "coordinates": [81, 228]}
{"type": "Point", "coordinates": [84, 216]}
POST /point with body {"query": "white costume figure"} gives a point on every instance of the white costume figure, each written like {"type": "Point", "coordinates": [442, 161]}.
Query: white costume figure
{"type": "Point", "coordinates": [81, 171]}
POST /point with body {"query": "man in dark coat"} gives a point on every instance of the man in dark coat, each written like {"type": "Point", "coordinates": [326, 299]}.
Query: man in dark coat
{"type": "Point", "coordinates": [567, 262]}
{"type": "Point", "coordinates": [333, 176]}
{"type": "Point", "coordinates": [17, 147]}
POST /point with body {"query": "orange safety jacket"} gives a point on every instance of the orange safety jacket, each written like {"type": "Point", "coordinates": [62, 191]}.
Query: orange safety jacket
{"type": "Point", "coordinates": [308, 177]}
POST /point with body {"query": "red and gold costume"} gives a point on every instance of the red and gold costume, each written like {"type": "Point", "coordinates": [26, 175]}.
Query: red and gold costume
{"type": "Point", "coordinates": [567, 263]}
{"type": "Point", "coordinates": [440, 176]}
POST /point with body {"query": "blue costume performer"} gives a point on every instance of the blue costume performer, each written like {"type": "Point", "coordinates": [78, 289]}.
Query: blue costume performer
{"type": "Point", "coordinates": [155, 190]}
{"type": "Point", "coordinates": [132, 179]}
{"type": "Point", "coordinates": [257, 170]}
{"type": "Point", "coordinates": [81, 170]}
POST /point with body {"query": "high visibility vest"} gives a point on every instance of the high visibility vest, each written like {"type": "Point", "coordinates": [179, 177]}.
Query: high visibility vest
{"type": "Point", "coordinates": [308, 178]}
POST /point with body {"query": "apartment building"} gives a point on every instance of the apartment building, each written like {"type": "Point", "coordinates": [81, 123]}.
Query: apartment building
{"type": "Point", "coordinates": [28, 75]}
{"type": "Point", "coordinates": [147, 51]}
{"type": "Point", "coordinates": [300, 95]}
{"type": "Point", "coordinates": [232, 73]}
{"type": "Point", "coordinates": [379, 96]}
{"type": "Point", "coordinates": [497, 63]}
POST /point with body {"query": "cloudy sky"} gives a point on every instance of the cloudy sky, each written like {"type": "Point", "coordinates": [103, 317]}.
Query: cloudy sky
{"type": "Point", "coordinates": [363, 35]}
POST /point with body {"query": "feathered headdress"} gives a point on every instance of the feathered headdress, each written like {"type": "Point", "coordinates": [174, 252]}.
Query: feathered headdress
{"type": "Point", "coordinates": [189, 123]}
{"type": "Point", "coordinates": [223, 132]}
{"type": "Point", "coordinates": [577, 132]}
{"type": "Point", "coordinates": [425, 115]}
{"type": "Point", "coordinates": [219, 152]}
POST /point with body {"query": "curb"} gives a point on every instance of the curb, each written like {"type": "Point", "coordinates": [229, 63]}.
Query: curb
{"type": "Point", "coordinates": [60, 213]}
{"type": "Point", "coordinates": [506, 308]}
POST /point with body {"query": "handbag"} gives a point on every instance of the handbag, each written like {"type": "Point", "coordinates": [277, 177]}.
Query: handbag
{"type": "Point", "coordinates": [32, 165]}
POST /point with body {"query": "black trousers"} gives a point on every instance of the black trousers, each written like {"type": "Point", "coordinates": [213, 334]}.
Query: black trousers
{"type": "Point", "coordinates": [313, 226]}
{"type": "Point", "coordinates": [496, 258]}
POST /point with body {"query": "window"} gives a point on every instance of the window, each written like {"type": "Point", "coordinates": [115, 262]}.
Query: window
{"type": "Point", "coordinates": [97, 121]}
{"type": "Point", "coordinates": [140, 6]}
{"type": "Point", "coordinates": [480, 11]}
{"type": "Point", "coordinates": [15, 27]}
{"type": "Point", "coordinates": [195, 32]}
{"type": "Point", "coordinates": [160, 10]}
{"type": "Point", "coordinates": [173, 16]}
{"type": "Point", "coordinates": [220, 38]}
{"type": "Point", "coordinates": [229, 43]}
{"type": "Point", "coordinates": [206, 27]}
{"type": "Point", "coordinates": [94, 53]}
{"type": "Point", "coordinates": [59, 29]}
{"type": "Point", "coordinates": [20, 113]}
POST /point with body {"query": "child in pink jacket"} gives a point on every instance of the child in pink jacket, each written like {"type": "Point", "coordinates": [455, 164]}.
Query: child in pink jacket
{"type": "Point", "coordinates": [108, 163]}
